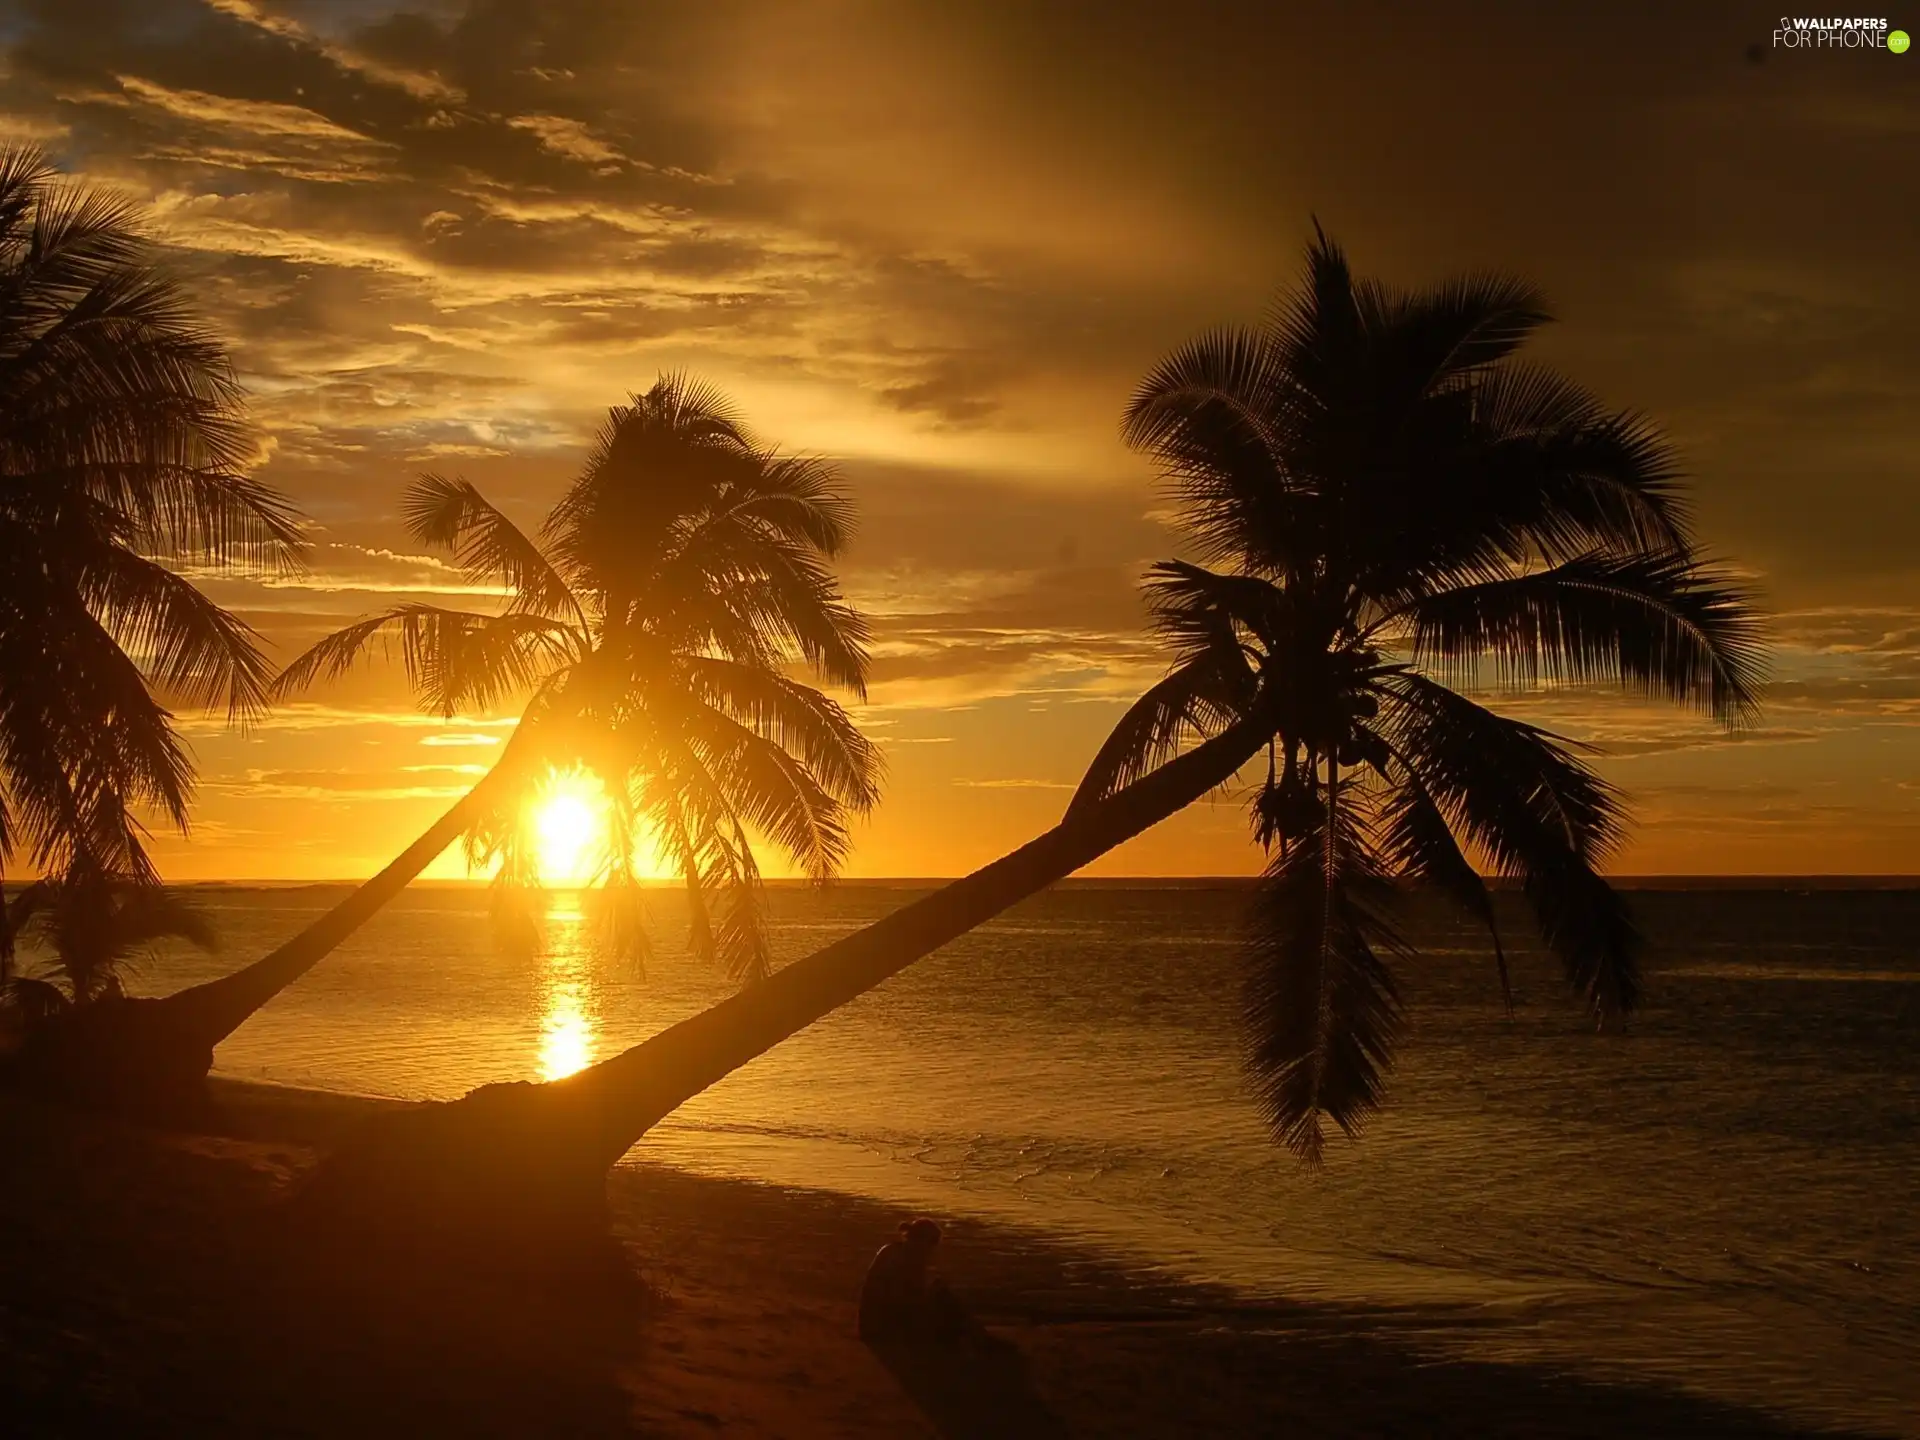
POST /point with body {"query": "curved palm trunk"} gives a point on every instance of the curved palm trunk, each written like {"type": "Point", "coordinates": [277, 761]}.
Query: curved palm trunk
{"type": "Point", "coordinates": [521, 1165]}
{"type": "Point", "coordinates": [152, 1056]}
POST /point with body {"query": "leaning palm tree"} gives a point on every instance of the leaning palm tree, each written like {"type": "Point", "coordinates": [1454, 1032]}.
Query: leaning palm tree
{"type": "Point", "coordinates": [1394, 509]}
{"type": "Point", "coordinates": [122, 460]}
{"type": "Point", "coordinates": [652, 622]}
{"type": "Point", "coordinates": [1390, 505]}
{"type": "Point", "coordinates": [652, 626]}
{"type": "Point", "coordinates": [96, 926]}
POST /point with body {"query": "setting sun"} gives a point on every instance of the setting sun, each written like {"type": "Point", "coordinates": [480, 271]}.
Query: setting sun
{"type": "Point", "coordinates": [569, 825]}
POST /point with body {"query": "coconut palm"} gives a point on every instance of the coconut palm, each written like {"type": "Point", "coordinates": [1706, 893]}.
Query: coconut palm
{"type": "Point", "coordinates": [652, 624]}
{"type": "Point", "coordinates": [122, 460]}
{"type": "Point", "coordinates": [1389, 505]}
{"type": "Point", "coordinates": [96, 925]}
{"type": "Point", "coordinates": [122, 451]}
{"type": "Point", "coordinates": [1392, 508]}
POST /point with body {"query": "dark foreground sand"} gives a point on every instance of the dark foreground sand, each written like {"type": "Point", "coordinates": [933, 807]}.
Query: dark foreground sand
{"type": "Point", "coordinates": [149, 1286]}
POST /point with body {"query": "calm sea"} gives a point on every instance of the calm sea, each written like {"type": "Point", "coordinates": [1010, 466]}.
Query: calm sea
{"type": "Point", "coordinates": [1724, 1197]}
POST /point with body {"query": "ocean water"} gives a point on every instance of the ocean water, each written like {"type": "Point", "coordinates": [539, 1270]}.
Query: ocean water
{"type": "Point", "coordinates": [1724, 1197]}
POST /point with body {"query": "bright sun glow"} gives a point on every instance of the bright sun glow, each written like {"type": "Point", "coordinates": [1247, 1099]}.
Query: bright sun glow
{"type": "Point", "coordinates": [569, 823]}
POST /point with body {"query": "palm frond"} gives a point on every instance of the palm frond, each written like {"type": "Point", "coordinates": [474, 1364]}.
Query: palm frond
{"type": "Point", "coordinates": [96, 920]}
{"type": "Point", "coordinates": [1219, 385]}
{"type": "Point", "coordinates": [697, 411]}
{"type": "Point", "coordinates": [454, 658]}
{"type": "Point", "coordinates": [1213, 416]}
{"type": "Point", "coordinates": [1560, 470]}
{"type": "Point", "coordinates": [727, 921]}
{"type": "Point", "coordinates": [1322, 1008]}
{"type": "Point", "coordinates": [1417, 842]}
{"type": "Point", "coordinates": [1192, 702]}
{"type": "Point", "coordinates": [454, 516]}
{"type": "Point", "coordinates": [191, 647]}
{"type": "Point", "coordinates": [769, 789]}
{"type": "Point", "coordinates": [734, 587]}
{"type": "Point", "coordinates": [1457, 746]}
{"type": "Point", "coordinates": [793, 601]}
{"type": "Point", "coordinates": [1201, 612]}
{"type": "Point", "coordinates": [799, 498]}
{"type": "Point", "coordinates": [113, 390]}
{"type": "Point", "coordinates": [617, 909]}
{"type": "Point", "coordinates": [798, 719]}
{"type": "Point", "coordinates": [516, 914]}
{"type": "Point", "coordinates": [1319, 330]}
{"type": "Point", "coordinates": [1663, 625]}
{"type": "Point", "coordinates": [144, 915]}
{"type": "Point", "coordinates": [80, 753]}
{"type": "Point", "coordinates": [739, 917]}
{"type": "Point", "coordinates": [664, 804]}
{"type": "Point", "coordinates": [1538, 814]}
{"type": "Point", "coordinates": [173, 509]}
{"type": "Point", "coordinates": [1588, 924]}
{"type": "Point", "coordinates": [334, 655]}
{"type": "Point", "coordinates": [1459, 327]}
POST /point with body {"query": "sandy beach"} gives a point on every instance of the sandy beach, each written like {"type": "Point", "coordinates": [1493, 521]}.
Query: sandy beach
{"type": "Point", "coordinates": [153, 1288]}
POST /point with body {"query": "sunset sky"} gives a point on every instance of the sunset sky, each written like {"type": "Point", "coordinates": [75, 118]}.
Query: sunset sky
{"type": "Point", "coordinates": [941, 243]}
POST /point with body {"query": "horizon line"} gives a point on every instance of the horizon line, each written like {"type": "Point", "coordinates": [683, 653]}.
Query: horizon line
{"type": "Point", "coordinates": [1650, 881]}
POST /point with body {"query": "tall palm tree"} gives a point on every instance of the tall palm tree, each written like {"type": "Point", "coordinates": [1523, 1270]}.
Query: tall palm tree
{"type": "Point", "coordinates": [653, 623]}
{"type": "Point", "coordinates": [122, 455]}
{"type": "Point", "coordinates": [1391, 504]}
{"type": "Point", "coordinates": [122, 460]}
{"type": "Point", "coordinates": [97, 925]}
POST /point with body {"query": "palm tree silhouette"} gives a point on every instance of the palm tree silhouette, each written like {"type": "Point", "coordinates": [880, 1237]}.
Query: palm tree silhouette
{"type": "Point", "coordinates": [651, 623]}
{"type": "Point", "coordinates": [677, 577]}
{"type": "Point", "coordinates": [1398, 507]}
{"type": "Point", "coordinates": [1392, 504]}
{"type": "Point", "coordinates": [122, 454]}
{"type": "Point", "coordinates": [97, 925]}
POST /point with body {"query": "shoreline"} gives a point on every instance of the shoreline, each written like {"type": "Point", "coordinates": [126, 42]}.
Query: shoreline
{"type": "Point", "coordinates": [151, 1289]}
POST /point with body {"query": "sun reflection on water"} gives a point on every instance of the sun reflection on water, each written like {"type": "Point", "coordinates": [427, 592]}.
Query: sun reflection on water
{"type": "Point", "coordinates": [566, 1025]}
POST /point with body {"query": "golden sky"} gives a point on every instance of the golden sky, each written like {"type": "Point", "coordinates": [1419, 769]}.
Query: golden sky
{"type": "Point", "coordinates": [941, 242]}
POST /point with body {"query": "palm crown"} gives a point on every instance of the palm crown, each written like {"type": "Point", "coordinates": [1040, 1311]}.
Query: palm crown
{"type": "Point", "coordinates": [1389, 506]}
{"type": "Point", "coordinates": [654, 623]}
{"type": "Point", "coordinates": [121, 452]}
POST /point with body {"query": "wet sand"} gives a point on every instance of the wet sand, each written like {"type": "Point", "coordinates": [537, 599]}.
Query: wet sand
{"type": "Point", "coordinates": [149, 1286]}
